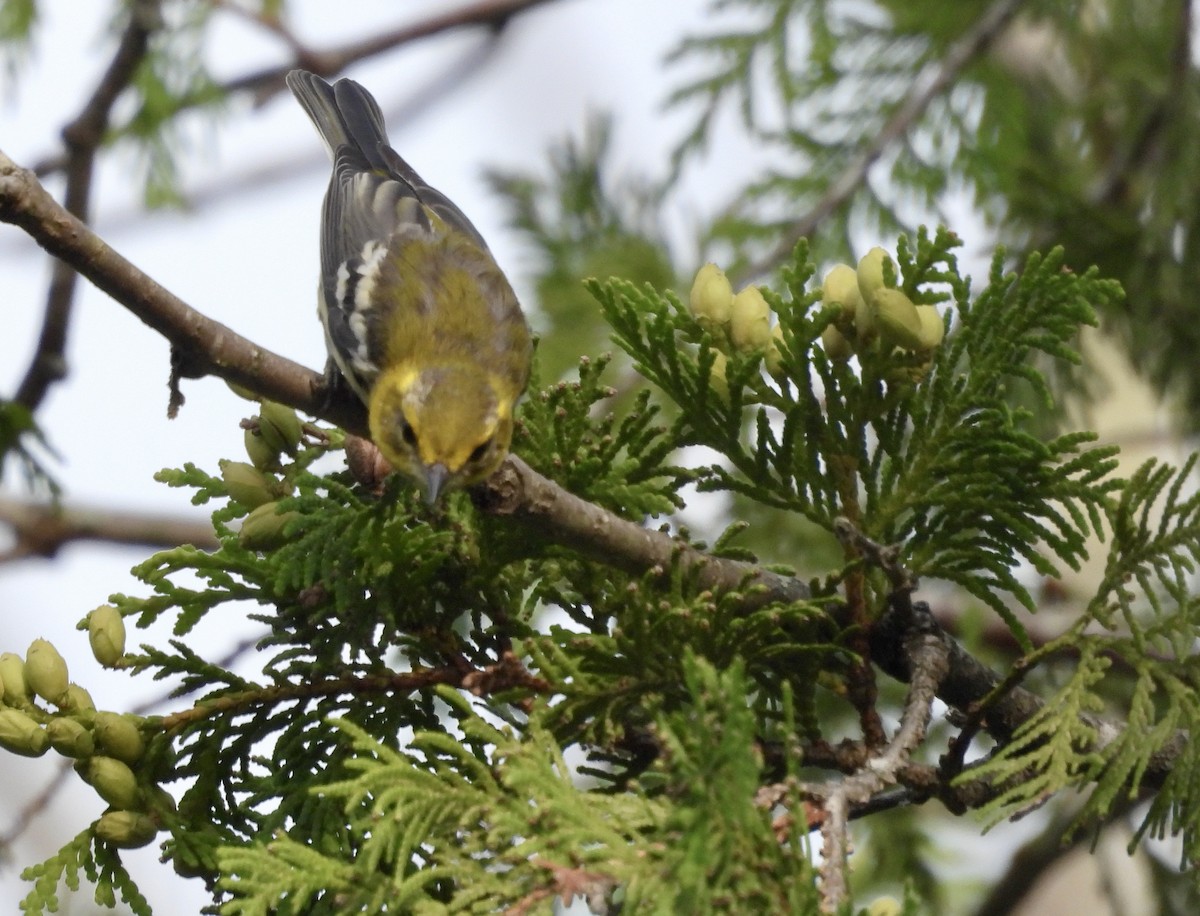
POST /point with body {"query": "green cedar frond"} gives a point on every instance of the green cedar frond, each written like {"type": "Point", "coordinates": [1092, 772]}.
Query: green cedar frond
{"type": "Point", "coordinates": [100, 864]}
{"type": "Point", "coordinates": [616, 462]}
{"type": "Point", "coordinates": [1056, 748]}
{"type": "Point", "coordinates": [923, 450]}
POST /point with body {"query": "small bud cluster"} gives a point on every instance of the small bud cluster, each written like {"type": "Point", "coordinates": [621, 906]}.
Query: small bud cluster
{"type": "Point", "coordinates": [738, 323]}
{"type": "Point", "coordinates": [256, 485]}
{"type": "Point", "coordinates": [41, 709]}
{"type": "Point", "coordinates": [870, 310]}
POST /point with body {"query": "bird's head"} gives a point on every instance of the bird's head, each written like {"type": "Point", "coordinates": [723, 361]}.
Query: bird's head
{"type": "Point", "coordinates": [445, 426]}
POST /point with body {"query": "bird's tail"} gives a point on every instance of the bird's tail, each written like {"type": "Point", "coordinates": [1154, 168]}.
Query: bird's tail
{"type": "Point", "coordinates": [345, 114]}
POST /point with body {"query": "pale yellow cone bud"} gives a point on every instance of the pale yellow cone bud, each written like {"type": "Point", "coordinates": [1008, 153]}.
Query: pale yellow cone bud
{"type": "Point", "coordinates": [899, 321]}
{"type": "Point", "coordinates": [280, 427]}
{"type": "Point", "coordinates": [774, 357]}
{"type": "Point", "coordinates": [750, 321]}
{"type": "Point", "coordinates": [46, 671]}
{"type": "Point", "coordinates": [261, 454]}
{"type": "Point", "coordinates": [870, 281]}
{"type": "Point", "coordinates": [711, 298]}
{"type": "Point", "coordinates": [78, 699]}
{"type": "Point", "coordinates": [870, 273]}
{"type": "Point", "coordinates": [126, 829]}
{"type": "Point", "coordinates": [837, 347]}
{"type": "Point", "coordinates": [263, 528]}
{"type": "Point", "coordinates": [113, 781]}
{"type": "Point", "coordinates": [241, 391]}
{"type": "Point", "coordinates": [70, 738]}
{"type": "Point", "coordinates": [841, 289]}
{"type": "Point", "coordinates": [119, 736]}
{"type": "Point", "coordinates": [248, 485]}
{"type": "Point", "coordinates": [12, 673]}
{"type": "Point", "coordinates": [933, 328]}
{"type": "Point", "coordinates": [106, 634]}
{"type": "Point", "coordinates": [885, 906]}
{"type": "Point", "coordinates": [20, 734]}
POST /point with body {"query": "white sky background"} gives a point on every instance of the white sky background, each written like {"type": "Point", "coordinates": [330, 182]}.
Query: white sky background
{"type": "Point", "coordinates": [249, 260]}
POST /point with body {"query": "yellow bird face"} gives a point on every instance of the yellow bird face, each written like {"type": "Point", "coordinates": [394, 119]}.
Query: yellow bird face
{"type": "Point", "coordinates": [445, 426]}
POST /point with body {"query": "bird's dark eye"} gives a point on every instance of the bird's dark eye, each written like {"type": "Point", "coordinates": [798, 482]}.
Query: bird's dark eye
{"type": "Point", "coordinates": [407, 434]}
{"type": "Point", "coordinates": [480, 451]}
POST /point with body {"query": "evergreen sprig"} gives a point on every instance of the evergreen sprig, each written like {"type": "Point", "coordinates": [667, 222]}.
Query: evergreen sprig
{"type": "Point", "coordinates": [925, 451]}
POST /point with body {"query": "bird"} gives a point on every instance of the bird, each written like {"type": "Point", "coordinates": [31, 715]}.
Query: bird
{"type": "Point", "coordinates": [419, 319]}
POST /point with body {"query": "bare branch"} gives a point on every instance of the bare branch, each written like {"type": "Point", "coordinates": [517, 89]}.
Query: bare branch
{"type": "Point", "coordinates": [493, 14]}
{"type": "Point", "coordinates": [930, 663]}
{"type": "Point", "coordinates": [209, 346]}
{"type": "Point", "coordinates": [546, 509]}
{"type": "Point", "coordinates": [42, 530]}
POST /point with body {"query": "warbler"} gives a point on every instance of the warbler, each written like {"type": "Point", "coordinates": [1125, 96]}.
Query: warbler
{"type": "Point", "coordinates": [419, 319]}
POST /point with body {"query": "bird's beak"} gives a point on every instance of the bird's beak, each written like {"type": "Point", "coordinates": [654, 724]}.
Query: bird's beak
{"type": "Point", "coordinates": [436, 476]}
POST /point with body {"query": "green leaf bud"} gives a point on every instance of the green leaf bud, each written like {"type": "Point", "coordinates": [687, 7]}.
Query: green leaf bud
{"type": "Point", "coordinates": [248, 485]}
{"type": "Point", "coordinates": [20, 734]}
{"type": "Point", "coordinates": [263, 528]}
{"type": "Point", "coordinates": [280, 427]}
{"type": "Point", "coordinates": [885, 906]}
{"type": "Point", "coordinates": [119, 736]}
{"type": "Point", "coordinates": [750, 321]}
{"type": "Point", "coordinates": [837, 347]}
{"type": "Point", "coordinates": [933, 328]}
{"type": "Point", "coordinates": [46, 671]}
{"type": "Point", "coordinates": [106, 634]}
{"type": "Point", "coordinates": [126, 829]}
{"type": "Point", "coordinates": [870, 273]}
{"type": "Point", "coordinates": [899, 321]}
{"type": "Point", "coordinates": [711, 298]}
{"type": "Point", "coordinates": [156, 798]}
{"type": "Point", "coordinates": [70, 737]}
{"type": "Point", "coordinates": [12, 673]}
{"type": "Point", "coordinates": [261, 454]}
{"type": "Point", "coordinates": [113, 781]}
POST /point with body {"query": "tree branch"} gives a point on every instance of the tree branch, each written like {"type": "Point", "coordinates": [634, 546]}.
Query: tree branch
{"type": "Point", "coordinates": [208, 346]}
{"type": "Point", "coordinates": [493, 14]}
{"type": "Point", "coordinates": [43, 530]}
{"type": "Point", "coordinates": [929, 665]}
